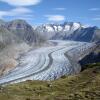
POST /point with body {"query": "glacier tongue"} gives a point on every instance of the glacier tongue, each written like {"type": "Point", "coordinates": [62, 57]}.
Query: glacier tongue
{"type": "Point", "coordinates": [49, 63]}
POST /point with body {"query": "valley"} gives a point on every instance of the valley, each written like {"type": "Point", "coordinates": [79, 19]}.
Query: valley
{"type": "Point", "coordinates": [50, 57]}
{"type": "Point", "coordinates": [49, 49]}
{"type": "Point", "coordinates": [49, 63]}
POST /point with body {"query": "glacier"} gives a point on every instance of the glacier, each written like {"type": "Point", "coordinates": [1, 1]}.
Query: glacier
{"type": "Point", "coordinates": [49, 63]}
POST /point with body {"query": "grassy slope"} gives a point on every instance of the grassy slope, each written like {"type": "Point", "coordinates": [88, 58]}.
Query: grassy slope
{"type": "Point", "coordinates": [84, 86]}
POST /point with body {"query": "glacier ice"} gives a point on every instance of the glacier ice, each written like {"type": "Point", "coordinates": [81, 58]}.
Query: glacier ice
{"type": "Point", "coordinates": [49, 63]}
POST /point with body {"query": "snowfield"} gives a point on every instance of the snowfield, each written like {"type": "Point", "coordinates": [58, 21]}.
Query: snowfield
{"type": "Point", "coordinates": [49, 63]}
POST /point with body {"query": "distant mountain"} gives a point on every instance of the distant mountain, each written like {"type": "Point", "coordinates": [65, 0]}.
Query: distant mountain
{"type": "Point", "coordinates": [85, 34]}
{"type": "Point", "coordinates": [22, 29]}
{"type": "Point", "coordinates": [66, 31]}
{"type": "Point", "coordinates": [2, 22]}
{"type": "Point", "coordinates": [69, 31]}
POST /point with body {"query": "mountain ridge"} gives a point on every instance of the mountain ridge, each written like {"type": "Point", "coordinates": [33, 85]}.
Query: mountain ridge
{"type": "Point", "coordinates": [69, 31]}
{"type": "Point", "coordinates": [65, 31]}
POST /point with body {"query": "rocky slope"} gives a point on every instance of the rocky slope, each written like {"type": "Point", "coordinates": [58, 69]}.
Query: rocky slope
{"type": "Point", "coordinates": [7, 37]}
{"type": "Point", "coordinates": [22, 29]}
{"type": "Point", "coordinates": [11, 46]}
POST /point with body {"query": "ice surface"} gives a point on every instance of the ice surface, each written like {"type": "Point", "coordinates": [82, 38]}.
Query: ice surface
{"type": "Point", "coordinates": [49, 63]}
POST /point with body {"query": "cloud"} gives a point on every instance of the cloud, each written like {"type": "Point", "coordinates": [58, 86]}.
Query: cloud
{"type": "Point", "coordinates": [22, 2]}
{"type": "Point", "coordinates": [56, 18]}
{"type": "Point", "coordinates": [96, 19]}
{"type": "Point", "coordinates": [19, 11]}
{"type": "Point", "coordinates": [23, 18]}
{"type": "Point", "coordinates": [60, 9]}
{"type": "Point", "coordinates": [2, 13]}
{"type": "Point", "coordinates": [94, 9]}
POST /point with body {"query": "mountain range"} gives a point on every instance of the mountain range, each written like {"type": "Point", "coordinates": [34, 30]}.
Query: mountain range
{"type": "Point", "coordinates": [66, 31]}
{"type": "Point", "coordinates": [70, 31]}
{"type": "Point", "coordinates": [18, 37]}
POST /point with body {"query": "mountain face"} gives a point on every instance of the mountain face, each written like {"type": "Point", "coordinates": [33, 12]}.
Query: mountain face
{"type": "Point", "coordinates": [6, 37]}
{"type": "Point", "coordinates": [69, 31]}
{"type": "Point", "coordinates": [2, 22]}
{"type": "Point", "coordinates": [84, 34]}
{"type": "Point", "coordinates": [22, 29]}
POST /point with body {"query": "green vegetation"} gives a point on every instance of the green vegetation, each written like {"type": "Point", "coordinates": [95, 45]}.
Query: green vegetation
{"type": "Point", "coordinates": [84, 86]}
{"type": "Point", "coordinates": [92, 65]}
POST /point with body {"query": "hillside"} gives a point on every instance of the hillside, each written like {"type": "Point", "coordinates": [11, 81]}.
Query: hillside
{"type": "Point", "coordinates": [11, 46]}
{"type": "Point", "coordinates": [84, 86]}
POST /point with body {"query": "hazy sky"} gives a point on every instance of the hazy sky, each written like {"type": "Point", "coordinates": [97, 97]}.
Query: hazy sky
{"type": "Point", "coordinates": [45, 11]}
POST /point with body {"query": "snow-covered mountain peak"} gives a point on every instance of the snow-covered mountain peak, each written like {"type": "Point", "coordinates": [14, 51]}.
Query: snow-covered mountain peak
{"type": "Point", "coordinates": [76, 26]}
{"type": "Point", "coordinates": [67, 26]}
{"type": "Point", "coordinates": [69, 31]}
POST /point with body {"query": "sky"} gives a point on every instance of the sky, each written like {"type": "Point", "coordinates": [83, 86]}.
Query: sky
{"type": "Point", "coordinates": [51, 11]}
